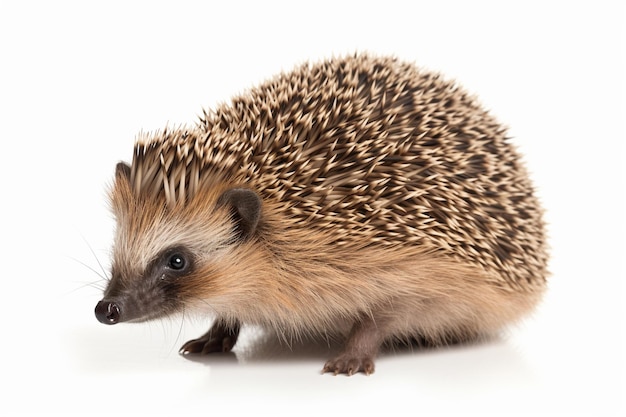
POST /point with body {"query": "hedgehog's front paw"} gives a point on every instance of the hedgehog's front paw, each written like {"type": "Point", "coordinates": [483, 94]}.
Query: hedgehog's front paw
{"type": "Point", "coordinates": [204, 345]}
{"type": "Point", "coordinates": [220, 338]}
{"type": "Point", "coordinates": [350, 365]}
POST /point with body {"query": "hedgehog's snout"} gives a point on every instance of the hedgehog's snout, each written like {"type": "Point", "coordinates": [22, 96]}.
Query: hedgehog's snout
{"type": "Point", "coordinates": [107, 312]}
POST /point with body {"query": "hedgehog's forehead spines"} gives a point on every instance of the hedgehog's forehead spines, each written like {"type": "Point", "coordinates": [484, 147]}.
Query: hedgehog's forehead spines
{"type": "Point", "coordinates": [175, 164]}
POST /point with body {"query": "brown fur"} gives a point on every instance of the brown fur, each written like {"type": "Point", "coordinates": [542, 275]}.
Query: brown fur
{"type": "Point", "coordinates": [390, 201]}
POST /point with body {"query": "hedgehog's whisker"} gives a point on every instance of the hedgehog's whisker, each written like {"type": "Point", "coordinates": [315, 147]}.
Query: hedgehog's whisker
{"type": "Point", "coordinates": [103, 277]}
{"type": "Point", "coordinates": [102, 274]}
{"type": "Point", "coordinates": [95, 256]}
{"type": "Point", "coordinates": [180, 331]}
{"type": "Point", "coordinates": [92, 284]}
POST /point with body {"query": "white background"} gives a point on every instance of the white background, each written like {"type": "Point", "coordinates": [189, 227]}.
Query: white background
{"type": "Point", "coordinates": [79, 80]}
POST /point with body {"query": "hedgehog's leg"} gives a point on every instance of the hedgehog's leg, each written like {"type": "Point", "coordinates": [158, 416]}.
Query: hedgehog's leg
{"type": "Point", "coordinates": [219, 338]}
{"type": "Point", "coordinates": [360, 350]}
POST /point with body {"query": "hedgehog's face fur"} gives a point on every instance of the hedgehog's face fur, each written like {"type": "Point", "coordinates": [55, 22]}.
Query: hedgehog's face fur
{"type": "Point", "coordinates": [166, 258]}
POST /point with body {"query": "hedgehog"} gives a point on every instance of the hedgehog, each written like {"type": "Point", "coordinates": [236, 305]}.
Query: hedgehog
{"type": "Point", "coordinates": [360, 199]}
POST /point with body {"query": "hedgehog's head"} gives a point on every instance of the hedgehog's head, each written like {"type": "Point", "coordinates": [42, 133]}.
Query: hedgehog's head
{"type": "Point", "coordinates": [174, 250]}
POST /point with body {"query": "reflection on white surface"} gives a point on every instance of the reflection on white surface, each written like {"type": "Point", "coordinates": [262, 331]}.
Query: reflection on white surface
{"type": "Point", "coordinates": [264, 370]}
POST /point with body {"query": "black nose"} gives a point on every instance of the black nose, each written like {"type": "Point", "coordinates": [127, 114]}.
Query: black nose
{"type": "Point", "coordinates": [107, 312]}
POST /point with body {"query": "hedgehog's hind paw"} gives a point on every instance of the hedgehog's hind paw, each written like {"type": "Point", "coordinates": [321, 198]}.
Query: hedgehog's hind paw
{"type": "Point", "coordinates": [349, 365]}
{"type": "Point", "coordinates": [361, 347]}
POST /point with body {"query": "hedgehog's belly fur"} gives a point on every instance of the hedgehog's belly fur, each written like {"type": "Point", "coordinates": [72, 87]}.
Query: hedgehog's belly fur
{"type": "Point", "coordinates": [410, 293]}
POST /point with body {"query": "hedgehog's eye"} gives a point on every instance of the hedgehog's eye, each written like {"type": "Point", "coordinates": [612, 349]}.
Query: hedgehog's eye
{"type": "Point", "coordinates": [176, 262]}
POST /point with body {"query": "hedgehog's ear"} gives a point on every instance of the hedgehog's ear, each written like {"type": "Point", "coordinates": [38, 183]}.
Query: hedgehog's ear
{"type": "Point", "coordinates": [122, 169]}
{"type": "Point", "coordinates": [121, 194]}
{"type": "Point", "coordinates": [245, 207]}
